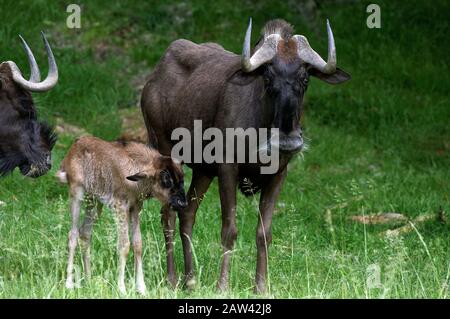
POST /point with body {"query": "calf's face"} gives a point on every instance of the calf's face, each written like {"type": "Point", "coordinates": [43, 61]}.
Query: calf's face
{"type": "Point", "coordinates": [167, 180]}
{"type": "Point", "coordinates": [172, 183]}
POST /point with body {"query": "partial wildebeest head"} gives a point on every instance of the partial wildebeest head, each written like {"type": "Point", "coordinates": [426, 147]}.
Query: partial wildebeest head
{"type": "Point", "coordinates": [25, 142]}
{"type": "Point", "coordinates": [286, 61]}
{"type": "Point", "coordinates": [169, 179]}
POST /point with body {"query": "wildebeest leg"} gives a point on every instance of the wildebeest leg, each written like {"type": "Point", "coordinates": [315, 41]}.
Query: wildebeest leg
{"type": "Point", "coordinates": [197, 189]}
{"type": "Point", "coordinates": [168, 220]}
{"type": "Point", "coordinates": [76, 196]}
{"type": "Point", "coordinates": [269, 195]}
{"type": "Point", "coordinates": [93, 211]}
{"type": "Point", "coordinates": [137, 248]}
{"type": "Point", "coordinates": [227, 189]}
{"type": "Point", "coordinates": [123, 243]}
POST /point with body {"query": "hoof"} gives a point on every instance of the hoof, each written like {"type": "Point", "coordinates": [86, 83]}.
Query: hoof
{"type": "Point", "coordinates": [142, 290]}
{"type": "Point", "coordinates": [222, 286]}
{"type": "Point", "coordinates": [190, 284]}
{"type": "Point", "coordinates": [122, 290]}
{"type": "Point", "coordinates": [260, 289]}
{"type": "Point", "coordinates": [70, 285]}
{"type": "Point", "coordinates": [173, 282]}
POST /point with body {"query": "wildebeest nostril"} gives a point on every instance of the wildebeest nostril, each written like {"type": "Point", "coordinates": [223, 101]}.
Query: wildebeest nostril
{"type": "Point", "coordinates": [181, 203]}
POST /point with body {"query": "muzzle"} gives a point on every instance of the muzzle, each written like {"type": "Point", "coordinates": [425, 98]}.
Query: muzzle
{"type": "Point", "coordinates": [287, 143]}
{"type": "Point", "coordinates": [36, 169]}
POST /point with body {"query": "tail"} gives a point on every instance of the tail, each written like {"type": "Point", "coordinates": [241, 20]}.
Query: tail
{"type": "Point", "coordinates": [61, 175]}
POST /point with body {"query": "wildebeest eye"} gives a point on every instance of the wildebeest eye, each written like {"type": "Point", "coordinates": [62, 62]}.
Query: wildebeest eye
{"type": "Point", "coordinates": [166, 179]}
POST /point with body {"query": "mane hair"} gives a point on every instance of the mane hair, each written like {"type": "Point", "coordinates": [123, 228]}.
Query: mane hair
{"type": "Point", "coordinates": [8, 162]}
{"type": "Point", "coordinates": [278, 26]}
{"type": "Point", "coordinates": [27, 107]}
{"type": "Point", "coordinates": [48, 134]}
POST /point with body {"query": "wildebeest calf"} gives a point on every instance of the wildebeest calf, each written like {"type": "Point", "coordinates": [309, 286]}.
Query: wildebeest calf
{"type": "Point", "coordinates": [121, 176]}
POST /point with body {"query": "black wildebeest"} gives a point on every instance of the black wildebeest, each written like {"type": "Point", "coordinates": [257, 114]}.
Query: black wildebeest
{"type": "Point", "coordinates": [25, 142]}
{"type": "Point", "coordinates": [264, 89]}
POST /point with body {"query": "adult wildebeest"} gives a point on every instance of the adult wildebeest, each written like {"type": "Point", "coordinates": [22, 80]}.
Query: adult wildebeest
{"type": "Point", "coordinates": [260, 90]}
{"type": "Point", "coordinates": [25, 142]}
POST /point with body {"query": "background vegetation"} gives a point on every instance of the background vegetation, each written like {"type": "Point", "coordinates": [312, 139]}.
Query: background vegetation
{"type": "Point", "coordinates": [380, 143]}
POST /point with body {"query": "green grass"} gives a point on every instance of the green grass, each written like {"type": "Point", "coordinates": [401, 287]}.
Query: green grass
{"type": "Point", "coordinates": [380, 143]}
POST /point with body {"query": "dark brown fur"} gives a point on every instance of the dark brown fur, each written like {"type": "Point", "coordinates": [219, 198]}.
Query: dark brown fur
{"type": "Point", "coordinates": [287, 50]}
{"type": "Point", "coordinates": [204, 81]}
{"type": "Point", "coordinates": [279, 26]}
{"type": "Point", "coordinates": [25, 142]}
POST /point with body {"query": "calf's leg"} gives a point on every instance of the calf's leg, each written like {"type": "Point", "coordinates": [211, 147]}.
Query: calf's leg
{"type": "Point", "coordinates": [269, 195]}
{"type": "Point", "coordinates": [227, 189]}
{"type": "Point", "coordinates": [136, 241]}
{"type": "Point", "coordinates": [93, 211]}
{"type": "Point", "coordinates": [123, 243]}
{"type": "Point", "coordinates": [76, 196]}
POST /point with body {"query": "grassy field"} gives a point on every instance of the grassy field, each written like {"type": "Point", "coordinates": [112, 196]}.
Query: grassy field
{"type": "Point", "coordinates": [380, 143]}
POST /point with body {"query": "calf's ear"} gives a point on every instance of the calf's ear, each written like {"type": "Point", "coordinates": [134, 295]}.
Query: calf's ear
{"type": "Point", "coordinates": [338, 77]}
{"type": "Point", "coordinates": [136, 177]}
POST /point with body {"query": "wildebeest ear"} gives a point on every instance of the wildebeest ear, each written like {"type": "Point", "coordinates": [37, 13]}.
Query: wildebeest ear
{"type": "Point", "coordinates": [136, 177]}
{"type": "Point", "coordinates": [242, 78]}
{"type": "Point", "coordinates": [340, 76]}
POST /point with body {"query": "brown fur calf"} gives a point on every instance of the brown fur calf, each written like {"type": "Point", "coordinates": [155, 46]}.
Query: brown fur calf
{"type": "Point", "coordinates": [121, 176]}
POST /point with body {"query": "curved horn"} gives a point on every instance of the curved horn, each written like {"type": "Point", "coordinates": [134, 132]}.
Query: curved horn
{"type": "Point", "coordinates": [264, 54]}
{"type": "Point", "coordinates": [35, 75]}
{"type": "Point", "coordinates": [307, 54]}
{"type": "Point", "coordinates": [48, 83]}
